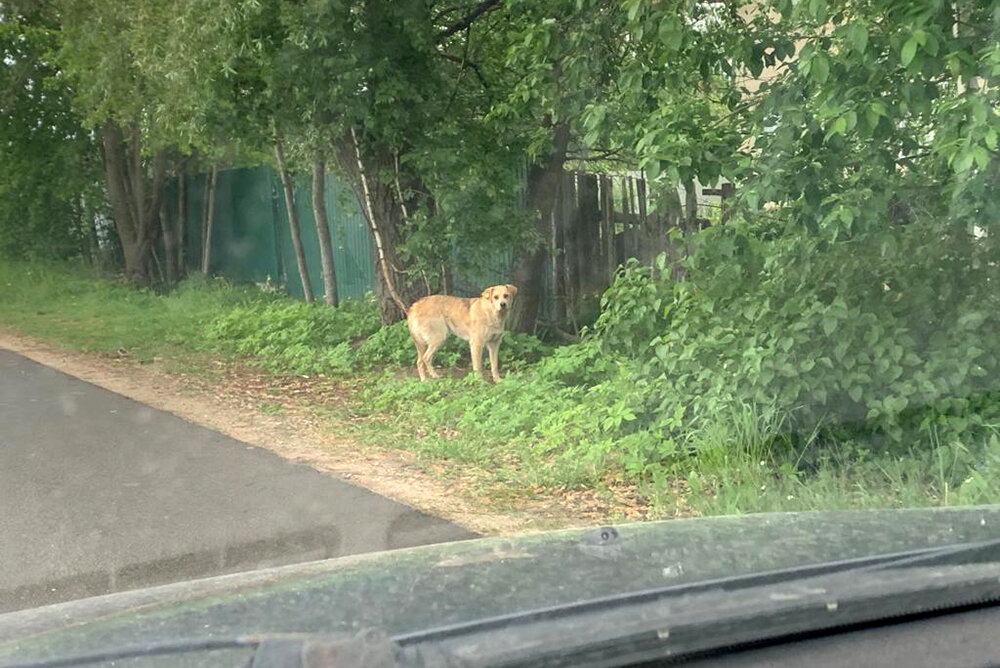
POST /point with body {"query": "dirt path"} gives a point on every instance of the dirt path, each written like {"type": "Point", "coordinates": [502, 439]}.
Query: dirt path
{"type": "Point", "coordinates": [233, 403]}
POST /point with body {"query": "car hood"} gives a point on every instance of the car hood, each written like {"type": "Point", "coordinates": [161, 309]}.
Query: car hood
{"type": "Point", "coordinates": [410, 590]}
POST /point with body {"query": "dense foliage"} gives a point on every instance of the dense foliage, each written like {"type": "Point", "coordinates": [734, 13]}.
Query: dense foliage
{"type": "Point", "coordinates": [49, 166]}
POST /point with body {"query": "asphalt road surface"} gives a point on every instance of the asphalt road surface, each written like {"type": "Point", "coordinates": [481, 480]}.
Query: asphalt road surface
{"type": "Point", "coordinates": [99, 493]}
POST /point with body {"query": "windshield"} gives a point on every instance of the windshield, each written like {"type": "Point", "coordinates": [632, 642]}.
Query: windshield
{"type": "Point", "coordinates": [283, 281]}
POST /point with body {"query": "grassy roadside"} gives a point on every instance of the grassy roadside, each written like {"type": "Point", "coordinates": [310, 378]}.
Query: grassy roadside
{"type": "Point", "coordinates": [526, 438]}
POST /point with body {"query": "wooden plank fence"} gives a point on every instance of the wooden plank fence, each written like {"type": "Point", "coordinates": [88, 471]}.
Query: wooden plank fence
{"type": "Point", "coordinates": [600, 221]}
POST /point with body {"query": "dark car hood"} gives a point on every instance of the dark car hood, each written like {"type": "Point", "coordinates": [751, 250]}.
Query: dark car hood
{"type": "Point", "coordinates": [410, 590]}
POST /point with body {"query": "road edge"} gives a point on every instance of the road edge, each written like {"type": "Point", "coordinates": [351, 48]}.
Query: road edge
{"type": "Point", "coordinates": [389, 473]}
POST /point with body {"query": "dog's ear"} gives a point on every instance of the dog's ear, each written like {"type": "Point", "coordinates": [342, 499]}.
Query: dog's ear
{"type": "Point", "coordinates": [512, 289]}
{"type": "Point", "coordinates": [487, 294]}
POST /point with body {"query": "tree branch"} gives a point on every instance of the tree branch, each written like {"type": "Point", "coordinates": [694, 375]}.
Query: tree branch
{"type": "Point", "coordinates": [447, 10]}
{"type": "Point", "coordinates": [611, 154]}
{"type": "Point", "coordinates": [467, 64]}
{"type": "Point", "coordinates": [466, 21]}
{"type": "Point", "coordinates": [912, 156]}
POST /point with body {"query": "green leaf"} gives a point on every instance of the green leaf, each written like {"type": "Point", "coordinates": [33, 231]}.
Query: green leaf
{"type": "Point", "coordinates": [855, 393]}
{"type": "Point", "coordinates": [908, 52]}
{"type": "Point", "coordinates": [829, 325]}
{"type": "Point", "coordinates": [653, 170]}
{"type": "Point", "coordinates": [634, 7]}
{"type": "Point", "coordinates": [895, 405]}
{"type": "Point", "coordinates": [670, 33]}
{"type": "Point", "coordinates": [981, 156]}
{"type": "Point", "coordinates": [818, 10]}
{"type": "Point", "coordinates": [857, 37]}
{"type": "Point", "coordinates": [931, 46]}
{"type": "Point", "coordinates": [852, 120]}
{"type": "Point", "coordinates": [820, 68]}
{"type": "Point", "coordinates": [963, 161]}
{"type": "Point", "coordinates": [847, 216]}
{"type": "Point", "coordinates": [971, 320]}
{"type": "Point", "coordinates": [990, 139]}
{"type": "Point", "coordinates": [872, 117]}
{"type": "Point", "coordinates": [978, 111]}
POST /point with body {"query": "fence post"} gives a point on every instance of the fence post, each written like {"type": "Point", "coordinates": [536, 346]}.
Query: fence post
{"type": "Point", "coordinates": [728, 190]}
{"type": "Point", "coordinates": [611, 247]}
{"type": "Point", "coordinates": [570, 245]}
{"type": "Point", "coordinates": [207, 222]}
{"type": "Point", "coordinates": [647, 236]}
{"type": "Point", "coordinates": [590, 218]}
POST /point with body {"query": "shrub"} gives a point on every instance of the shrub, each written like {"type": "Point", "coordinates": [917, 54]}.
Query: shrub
{"type": "Point", "coordinates": [881, 339]}
{"type": "Point", "coordinates": [295, 337]}
{"type": "Point", "coordinates": [388, 345]}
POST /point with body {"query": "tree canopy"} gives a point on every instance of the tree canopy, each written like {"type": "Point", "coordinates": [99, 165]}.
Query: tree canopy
{"type": "Point", "coordinates": [850, 115]}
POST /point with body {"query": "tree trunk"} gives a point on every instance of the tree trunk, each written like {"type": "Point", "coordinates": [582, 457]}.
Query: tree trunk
{"type": "Point", "coordinates": [543, 191]}
{"type": "Point", "coordinates": [181, 221]}
{"type": "Point", "coordinates": [135, 189]}
{"type": "Point", "coordinates": [394, 291]}
{"type": "Point", "coordinates": [209, 222]}
{"type": "Point", "coordinates": [385, 214]}
{"type": "Point", "coordinates": [169, 245]}
{"type": "Point", "coordinates": [690, 207]}
{"type": "Point", "coordinates": [293, 222]}
{"type": "Point", "coordinates": [323, 232]}
{"type": "Point", "coordinates": [157, 267]}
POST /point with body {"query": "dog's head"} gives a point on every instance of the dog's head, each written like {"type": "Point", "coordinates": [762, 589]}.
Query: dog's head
{"type": "Point", "coordinates": [500, 297]}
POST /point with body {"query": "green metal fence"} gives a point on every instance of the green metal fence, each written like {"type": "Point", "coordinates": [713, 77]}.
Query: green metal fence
{"type": "Point", "coordinates": [251, 240]}
{"type": "Point", "coordinates": [250, 236]}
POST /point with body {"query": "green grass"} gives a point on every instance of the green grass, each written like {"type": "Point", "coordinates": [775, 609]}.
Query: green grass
{"type": "Point", "coordinates": [564, 423]}
{"type": "Point", "coordinates": [69, 306]}
{"type": "Point", "coordinates": [742, 463]}
{"type": "Point", "coordinates": [268, 408]}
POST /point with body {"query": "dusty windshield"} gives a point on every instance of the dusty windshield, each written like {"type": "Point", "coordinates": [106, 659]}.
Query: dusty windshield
{"type": "Point", "coordinates": [285, 281]}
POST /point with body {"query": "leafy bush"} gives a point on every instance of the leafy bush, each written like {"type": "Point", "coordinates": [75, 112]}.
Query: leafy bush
{"type": "Point", "coordinates": [883, 339]}
{"type": "Point", "coordinates": [291, 336]}
{"type": "Point", "coordinates": [518, 351]}
{"type": "Point", "coordinates": [388, 345]}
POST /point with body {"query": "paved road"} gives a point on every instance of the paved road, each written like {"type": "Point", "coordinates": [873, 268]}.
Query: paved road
{"type": "Point", "coordinates": [99, 493]}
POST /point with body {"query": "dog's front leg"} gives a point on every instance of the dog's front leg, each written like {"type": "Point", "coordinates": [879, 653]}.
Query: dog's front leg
{"type": "Point", "coordinates": [494, 348]}
{"type": "Point", "coordinates": [476, 349]}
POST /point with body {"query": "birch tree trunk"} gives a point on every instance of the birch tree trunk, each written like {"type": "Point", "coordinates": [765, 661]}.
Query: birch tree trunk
{"type": "Point", "coordinates": [323, 232]}
{"type": "Point", "coordinates": [293, 222]}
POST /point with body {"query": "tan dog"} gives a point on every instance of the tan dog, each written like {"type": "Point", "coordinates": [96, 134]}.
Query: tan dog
{"type": "Point", "coordinates": [479, 321]}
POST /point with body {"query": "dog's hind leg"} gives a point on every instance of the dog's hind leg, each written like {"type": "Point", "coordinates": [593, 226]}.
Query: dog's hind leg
{"type": "Point", "coordinates": [421, 349]}
{"type": "Point", "coordinates": [434, 341]}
